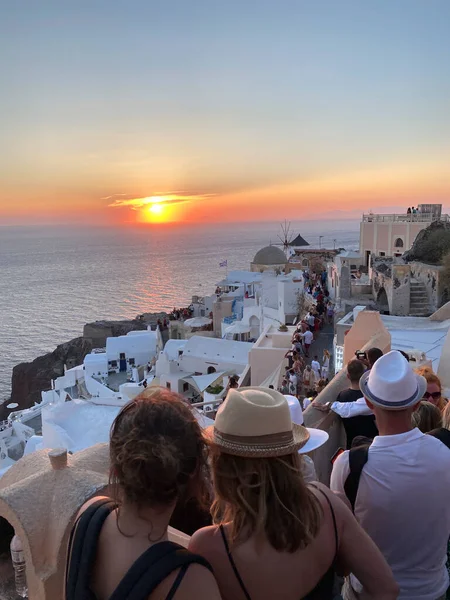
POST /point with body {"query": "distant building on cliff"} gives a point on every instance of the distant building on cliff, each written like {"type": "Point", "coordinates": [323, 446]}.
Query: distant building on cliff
{"type": "Point", "coordinates": [394, 234]}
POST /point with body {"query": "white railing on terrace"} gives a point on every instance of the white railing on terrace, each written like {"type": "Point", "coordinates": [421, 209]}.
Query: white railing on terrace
{"type": "Point", "coordinates": [412, 218]}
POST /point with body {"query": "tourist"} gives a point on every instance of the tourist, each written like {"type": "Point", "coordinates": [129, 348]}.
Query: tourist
{"type": "Point", "coordinates": [311, 319]}
{"type": "Point", "coordinates": [408, 212]}
{"type": "Point", "coordinates": [157, 456]}
{"type": "Point", "coordinates": [325, 364]}
{"type": "Point", "coordinates": [357, 418]}
{"type": "Point", "coordinates": [308, 378]}
{"type": "Point", "coordinates": [330, 313]}
{"type": "Point", "coordinates": [427, 417]}
{"type": "Point", "coordinates": [321, 384]}
{"type": "Point", "coordinates": [284, 388]}
{"type": "Point", "coordinates": [315, 366]}
{"type": "Point", "coordinates": [307, 341]}
{"type": "Point", "coordinates": [299, 364]}
{"type": "Point", "coordinates": [393, 481]}
{"type": "Point", "coordinates": [274, 536]}
{"type": "Point", "coordinates": [293, 383]}
{"type": "Point", "coordinates": [433, 392]}
{"type": "Point", "coordinates": [308, 400]}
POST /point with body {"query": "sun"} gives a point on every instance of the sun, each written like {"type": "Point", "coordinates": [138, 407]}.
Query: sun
{"type": "Point", "coordinates": [156, 209]}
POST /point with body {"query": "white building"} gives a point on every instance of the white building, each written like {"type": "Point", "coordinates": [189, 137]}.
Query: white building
{"type": "Point", "coordinates": [418, 336]}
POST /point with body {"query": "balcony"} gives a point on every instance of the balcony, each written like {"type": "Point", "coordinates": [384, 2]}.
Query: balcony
{"type": "Point", "coordinates": [412, 218]}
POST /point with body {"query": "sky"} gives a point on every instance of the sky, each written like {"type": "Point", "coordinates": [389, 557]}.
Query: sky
{"type": "Point", "coordinates": [206, 111]}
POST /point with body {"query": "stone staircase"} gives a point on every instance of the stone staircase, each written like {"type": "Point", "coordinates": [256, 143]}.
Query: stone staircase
{"type": "Point", "coordinates": [419, 306]}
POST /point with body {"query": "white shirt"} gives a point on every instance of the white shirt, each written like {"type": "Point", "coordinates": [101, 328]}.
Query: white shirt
{"type": "Point", "coordinates": [308, 337]}
{"type": "Point", "coordinates": [293, 379]}
{"type": "Point", "coordinates": [315, 366]}
{"type": "Point", "coordinates": [351, 409]}
{"type": "Point", "coordinates": [403, 504]}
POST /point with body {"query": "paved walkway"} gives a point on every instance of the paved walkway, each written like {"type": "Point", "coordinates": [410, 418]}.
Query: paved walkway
{"type": "Point", "coordinates": [323, 341]}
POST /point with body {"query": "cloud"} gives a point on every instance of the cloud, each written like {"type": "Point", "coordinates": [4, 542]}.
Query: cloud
{"type": "Point", "coordinates": [127, 200]}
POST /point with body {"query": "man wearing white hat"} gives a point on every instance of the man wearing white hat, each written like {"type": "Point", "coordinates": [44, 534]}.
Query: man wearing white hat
{"type": "Point", "coordinates": [402, 492]}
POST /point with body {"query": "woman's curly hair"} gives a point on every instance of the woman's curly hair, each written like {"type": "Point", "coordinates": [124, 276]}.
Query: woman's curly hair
{"type": "Point", "coordinates": [157, 451]}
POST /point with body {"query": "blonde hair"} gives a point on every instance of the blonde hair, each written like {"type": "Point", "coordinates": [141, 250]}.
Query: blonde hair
{"type": "Point", "coordinates": [265, 495]}
{"type": "Point", "coordinates": [446, 416]}
{"type": "Point", "coordinates": [431, 377]}
{"type": "Point", "coordinates": [427, 417]}
{"type": "Point", "coordinates": [326, 353]}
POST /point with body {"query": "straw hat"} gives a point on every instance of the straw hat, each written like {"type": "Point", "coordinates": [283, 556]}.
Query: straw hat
{"type": "Point", "coordinates": [391, 384]}
{"type": "Point", "coordinates": [256, 422]}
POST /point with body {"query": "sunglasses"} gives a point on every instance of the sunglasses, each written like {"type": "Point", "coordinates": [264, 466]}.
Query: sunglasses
{"type": "Point", "coordinates": [434, 395]}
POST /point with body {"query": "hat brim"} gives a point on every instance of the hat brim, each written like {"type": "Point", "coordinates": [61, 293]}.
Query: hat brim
{"type": "Point", "coordinates": [317, 438]}
{"type": "Point", "coordinates": [255, 448]}
{"type": "Point", "coordinates": [388, 404]}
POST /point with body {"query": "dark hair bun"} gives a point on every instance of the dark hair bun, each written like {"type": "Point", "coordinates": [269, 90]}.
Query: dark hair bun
{"type": "Point", "coordinates": [156, 449]}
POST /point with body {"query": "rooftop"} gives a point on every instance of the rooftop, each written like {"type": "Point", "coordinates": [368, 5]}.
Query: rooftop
{"type": "Point", "coordinates": [270, 255]}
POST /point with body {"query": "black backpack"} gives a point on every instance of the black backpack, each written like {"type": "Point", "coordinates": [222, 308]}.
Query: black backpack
{"type": "Point", "coordinates": [359, 455]}
{"type": "Point", "coordinates": [149, 570]}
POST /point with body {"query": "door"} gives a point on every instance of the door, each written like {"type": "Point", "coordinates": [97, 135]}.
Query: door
{"type": "Point", "coordinates": [123, 362]}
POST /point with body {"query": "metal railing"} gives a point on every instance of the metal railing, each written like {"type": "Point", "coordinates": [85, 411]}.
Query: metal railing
{"type": "Point", "coordinates": [405, 218]}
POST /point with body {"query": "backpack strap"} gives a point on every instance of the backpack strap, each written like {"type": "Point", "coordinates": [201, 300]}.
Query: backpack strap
{"type": "Point", "coordinates": [82, 548]}
{"type": "Point", "coordinates": [152, 567]}
{"type": "Point", "coordinates": [357, 458]}
{"type": "Point", "coordinates": [443, 435]}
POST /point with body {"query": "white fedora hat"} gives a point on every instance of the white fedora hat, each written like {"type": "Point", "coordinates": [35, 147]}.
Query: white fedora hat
{"type": "Point", "coordinates": [317, 437]}
{"type": "Point", "coordinates": [256, 422]}
{"type": "Point", "coordinates": [392, 384]}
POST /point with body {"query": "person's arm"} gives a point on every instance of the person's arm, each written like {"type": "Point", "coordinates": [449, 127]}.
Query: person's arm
{"type": "Point", "coordinates": [358, 554]}
{"type": "Point", "coordinates": [351, 409]}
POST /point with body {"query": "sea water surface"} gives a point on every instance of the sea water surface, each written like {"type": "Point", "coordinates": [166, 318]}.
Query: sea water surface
{"type": "Point", "coordinates": [53, 280]}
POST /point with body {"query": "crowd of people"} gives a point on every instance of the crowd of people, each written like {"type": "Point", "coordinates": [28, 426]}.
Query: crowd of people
{"type": "Point", "coordinates": [307, 375]}
{"type": "Point", "coordinates": [261, 527]}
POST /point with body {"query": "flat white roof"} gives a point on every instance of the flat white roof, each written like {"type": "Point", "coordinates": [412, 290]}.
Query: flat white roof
{"type": "Point", "coordinates": [237, 277]}
{"type": "Point", "coordinates": [215, 348]}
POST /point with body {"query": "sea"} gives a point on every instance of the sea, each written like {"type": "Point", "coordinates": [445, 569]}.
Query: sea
{"type": "Point", "coordinates": [55, 279]}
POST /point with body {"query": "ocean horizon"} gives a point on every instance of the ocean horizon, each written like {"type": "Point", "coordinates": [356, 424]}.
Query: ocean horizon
{"type": "Point", "coordinates": [57, 278]}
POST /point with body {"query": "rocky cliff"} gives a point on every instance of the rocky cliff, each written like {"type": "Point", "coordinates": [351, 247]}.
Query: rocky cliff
{"type": "Point", "coordinates": [431, 244]}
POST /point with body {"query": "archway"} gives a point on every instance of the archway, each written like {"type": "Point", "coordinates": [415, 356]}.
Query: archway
{"type": "Point", "coordinates": [382, 301]}
{"type": "Point", "coordinates": [399, 243]}
{"type": "Point", "coordinates": [211, 370]}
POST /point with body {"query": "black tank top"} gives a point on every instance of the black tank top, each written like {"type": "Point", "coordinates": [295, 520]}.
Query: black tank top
{"type": "Point", "coordinates": [323, 589]}
{"type": "Point", "coordinates": [144, 575]}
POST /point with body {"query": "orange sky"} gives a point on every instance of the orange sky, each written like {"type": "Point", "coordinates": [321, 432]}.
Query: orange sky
{"type": "Point", "coordinates": [340, 195]}
{"type": "Point", "coordinates": [295, 110]}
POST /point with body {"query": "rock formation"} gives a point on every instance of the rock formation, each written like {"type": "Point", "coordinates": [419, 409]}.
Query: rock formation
{"type": "Point", "coordinates": [431, 244]}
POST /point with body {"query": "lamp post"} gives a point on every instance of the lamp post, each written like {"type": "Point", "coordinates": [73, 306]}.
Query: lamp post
{"type": "Point", "coordinates": [320, 241]}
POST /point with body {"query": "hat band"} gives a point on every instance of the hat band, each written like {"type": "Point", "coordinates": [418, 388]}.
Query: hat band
{"type": "Point", "coordinates": [386, 403]}
{"type": "Point", "coordinates": [271, 441]}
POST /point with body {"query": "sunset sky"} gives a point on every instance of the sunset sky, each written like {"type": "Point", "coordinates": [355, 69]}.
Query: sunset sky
{"type": "Point", "coordinates": [209, 110]}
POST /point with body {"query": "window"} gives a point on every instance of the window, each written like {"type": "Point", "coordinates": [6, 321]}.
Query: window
{"type": "Point", "coordinates": [399, 243]}
{"type": "Point", "coordinates": [185, 387]}
{"type": "Point", "coordinates": [131, 362]}
{"type": "Point", "coordinates": [382, 253]}
{"type": "Point", "coordinates": [210, 370]}
{"type": "Point", "coordinates": [122, 356]}
{"type": "Point", "coordinates": [113, 363]}
{"type": "Point", "coordinates": [305, 262]}
{"type": "Point", "coordinates": [168, 385]}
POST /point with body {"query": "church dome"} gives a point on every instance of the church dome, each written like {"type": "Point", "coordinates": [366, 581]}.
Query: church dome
{"type": "Point", "coordinates": [270, 255]}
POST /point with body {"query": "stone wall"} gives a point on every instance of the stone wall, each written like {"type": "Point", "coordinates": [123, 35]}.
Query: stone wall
{"type": "Point", "coordinates": [400, 291]}
{"type": "Point", "coordinates": [382, 277]}
{"type": "Point", "coordinates": [429, 276]}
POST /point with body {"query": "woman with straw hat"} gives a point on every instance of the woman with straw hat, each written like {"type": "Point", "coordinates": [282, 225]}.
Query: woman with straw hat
{"type": "Point", "coordinates": [274, 536]}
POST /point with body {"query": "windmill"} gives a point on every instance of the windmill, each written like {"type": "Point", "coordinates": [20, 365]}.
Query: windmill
{"type": "Point", "coordinates": [286, 237]}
